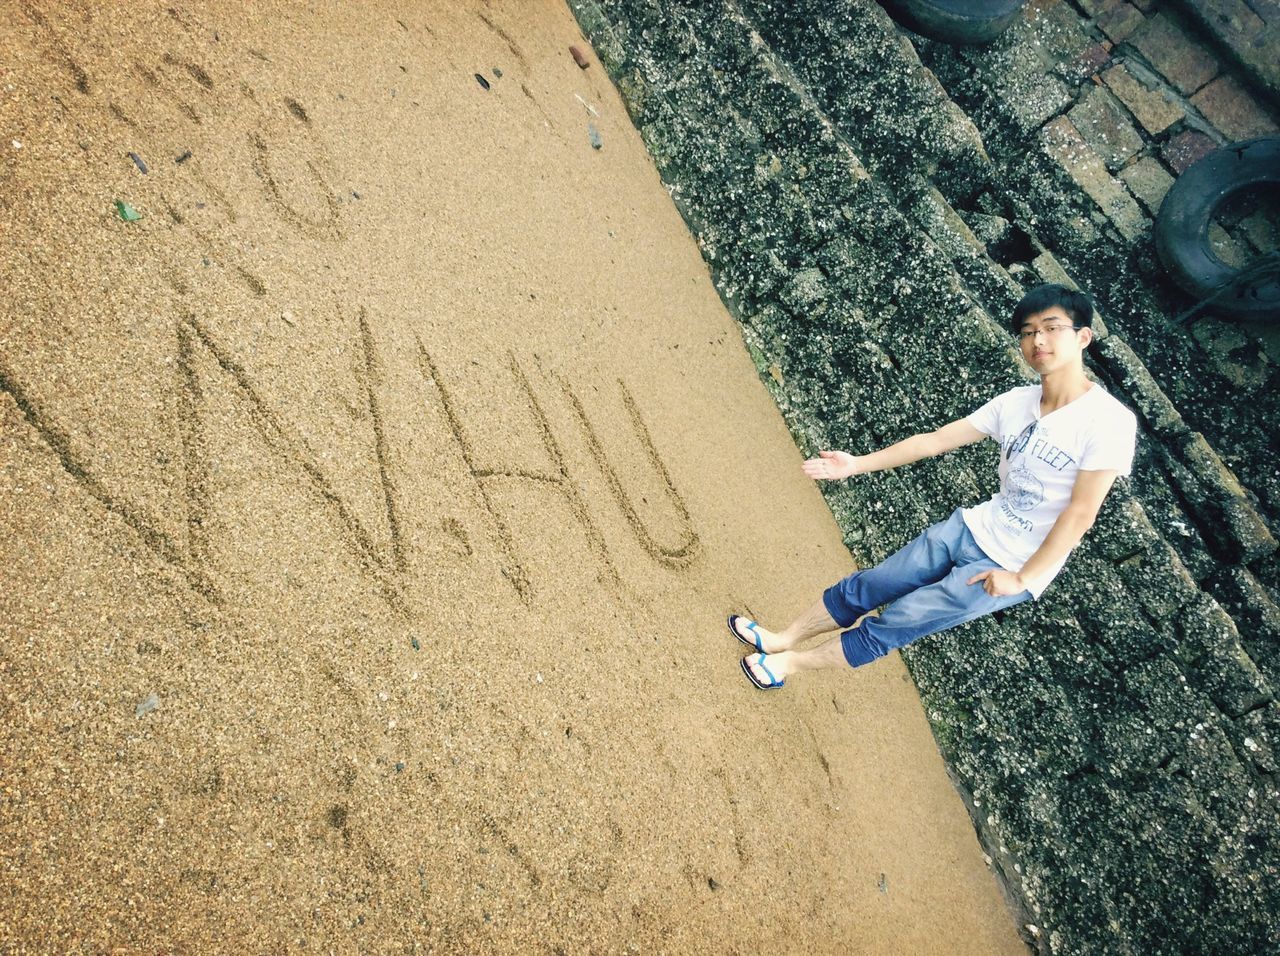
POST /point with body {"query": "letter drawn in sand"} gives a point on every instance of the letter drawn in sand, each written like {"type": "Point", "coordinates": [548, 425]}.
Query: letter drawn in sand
{"type": "Point", "coordinates": [293, 448]}
{"type": "Point", "coordinates": [677, 555]}
{"type": "Point", "coordinates": [193, 558]}
{"type": "Point", "coordinates": [77, 465]}
{"type": "Point", "coordinates": [557, 477]}
{"type": "Point", "coordinates": [60, 50]}
{"type": "Point", "coordinates": [512, 569]}
{"type": "Point", "coordinates": [305, 197]}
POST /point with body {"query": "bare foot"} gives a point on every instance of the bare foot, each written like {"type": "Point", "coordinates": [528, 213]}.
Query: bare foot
{"type": "Point", "coordinates": [756, 636]}
{"type": "Point", "coordinates": [768, 670]}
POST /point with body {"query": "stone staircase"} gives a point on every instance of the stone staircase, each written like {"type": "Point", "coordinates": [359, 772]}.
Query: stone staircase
{"type": "Point", "coordinates": [871, 220]}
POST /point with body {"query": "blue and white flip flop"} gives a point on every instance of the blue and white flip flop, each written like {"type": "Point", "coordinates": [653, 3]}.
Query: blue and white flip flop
{"type": "Point", "coordinates": [751, 626]}
{"type": "Point", "coordinates": [774, 682]}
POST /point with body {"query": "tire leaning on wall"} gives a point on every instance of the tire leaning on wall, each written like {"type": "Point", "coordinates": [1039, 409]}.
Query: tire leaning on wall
{"type": "Point", "coordinates": [956, 21]}
{"type": "Point", "coordinates": [1182, 229]}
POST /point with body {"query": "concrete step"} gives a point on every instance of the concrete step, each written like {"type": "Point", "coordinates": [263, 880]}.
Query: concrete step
{"type": "Point", "coordinates": [862, 271]}
{"type": "Point", "coordinates": [861, 84]}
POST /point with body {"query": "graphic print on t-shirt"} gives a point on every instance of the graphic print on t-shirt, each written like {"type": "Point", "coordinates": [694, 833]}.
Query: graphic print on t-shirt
{"type": "Point", "coordinates": [1023, 490]}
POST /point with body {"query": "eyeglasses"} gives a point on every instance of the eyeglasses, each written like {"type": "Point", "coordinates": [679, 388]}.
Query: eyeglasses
{"type": "Point", "coordinates": [1026, 335]}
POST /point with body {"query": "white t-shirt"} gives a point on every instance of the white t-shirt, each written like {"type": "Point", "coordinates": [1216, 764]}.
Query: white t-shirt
{"type": "Point", "coordinates": [1039, 460]}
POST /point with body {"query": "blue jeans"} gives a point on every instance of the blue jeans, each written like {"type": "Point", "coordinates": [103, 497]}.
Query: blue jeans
{"type": "Point", "coordinates": [924, 586]}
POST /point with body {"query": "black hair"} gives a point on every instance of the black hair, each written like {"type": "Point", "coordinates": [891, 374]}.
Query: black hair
{"type": "Point", "coordinates": [1075, 303]}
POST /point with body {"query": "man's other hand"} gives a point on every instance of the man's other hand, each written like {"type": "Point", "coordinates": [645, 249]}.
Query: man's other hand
{"type": "Point", "coordinates": [831, 465]}
{"type": "Point", "coordinates": [998, 582]}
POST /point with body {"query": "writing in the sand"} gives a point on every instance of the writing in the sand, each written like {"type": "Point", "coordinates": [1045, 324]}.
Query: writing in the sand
{"type": "Point", "coordinates": [182, 96]}
{"type": "Point", "coordinates": [389, 565]}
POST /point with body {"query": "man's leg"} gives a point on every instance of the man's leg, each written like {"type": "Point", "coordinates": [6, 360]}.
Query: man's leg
{"type": "Point", "coordinates": [811, 622]}
{"type": "Point", "coordinates": [936, 607]}
{"type": "Point", "coordinates": [926, 559]}
{"type": "Point", "coordinates": [939, 607]}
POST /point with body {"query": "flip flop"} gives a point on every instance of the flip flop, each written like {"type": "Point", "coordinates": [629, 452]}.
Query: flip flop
{"type": "Point", "coordinates": [751, 626]}
{"type": "Point", "coordinates": [774, 684]}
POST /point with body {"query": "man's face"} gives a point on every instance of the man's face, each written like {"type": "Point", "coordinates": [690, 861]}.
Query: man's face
{"type": "Point", "coordinates": [1049, 342]}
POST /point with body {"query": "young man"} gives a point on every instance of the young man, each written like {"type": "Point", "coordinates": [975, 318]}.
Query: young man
{"type": "Point", "coordinates": [1063, 443]}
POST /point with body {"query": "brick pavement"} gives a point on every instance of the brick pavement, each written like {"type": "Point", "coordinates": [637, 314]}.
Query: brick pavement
{"type": "Point", "coordinates": [1140, 92]}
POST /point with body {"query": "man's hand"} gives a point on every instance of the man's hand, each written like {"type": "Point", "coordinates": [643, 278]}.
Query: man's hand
{"type": "Point", "coordinates": [831, 465]}
{"type": "Point", "coordinates": [999, 583]}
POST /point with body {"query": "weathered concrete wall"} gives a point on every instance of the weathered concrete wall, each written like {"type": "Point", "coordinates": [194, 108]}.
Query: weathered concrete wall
{"type": "Point", "coordinates": [871, 220]}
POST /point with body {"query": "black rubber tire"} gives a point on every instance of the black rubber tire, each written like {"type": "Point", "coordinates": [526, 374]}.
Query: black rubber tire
{"type": "Point", "coordinates": [1182, 226]}
{"type": "Point", "coordinates": [956, 21]}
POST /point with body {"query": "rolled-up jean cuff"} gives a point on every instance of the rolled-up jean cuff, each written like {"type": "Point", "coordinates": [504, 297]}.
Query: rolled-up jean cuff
{"type": "Point", "coordinates": [841, 611]}
{"type": "Point", "coordinates": [860, 648]}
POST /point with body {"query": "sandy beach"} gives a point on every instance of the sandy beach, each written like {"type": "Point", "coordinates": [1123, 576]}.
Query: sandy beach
{"type": "Point", "coordinates": [370, 510]}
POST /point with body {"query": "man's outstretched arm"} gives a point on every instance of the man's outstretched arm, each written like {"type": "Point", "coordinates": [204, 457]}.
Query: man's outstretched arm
{"type": "Point", "coordinates": [838, 464]}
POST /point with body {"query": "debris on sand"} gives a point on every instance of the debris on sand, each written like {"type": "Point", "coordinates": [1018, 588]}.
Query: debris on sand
{"type": "Point", "coordinates": [482, 81]}
{"type": "Point", "coordinates": [147, 706]}
{"type": "Point", "coordinates": [590, 109]}
{"type": "Point", "coordinates": [185, 155]}
{"type": "Point", "coordinates": [127, 212]}
{"type": "Point", "coordinates": [137, 161]}
{"type": "Point", "coordinates": [578, 58]}
{"type": "Point", "coordinates": [593, 134]}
